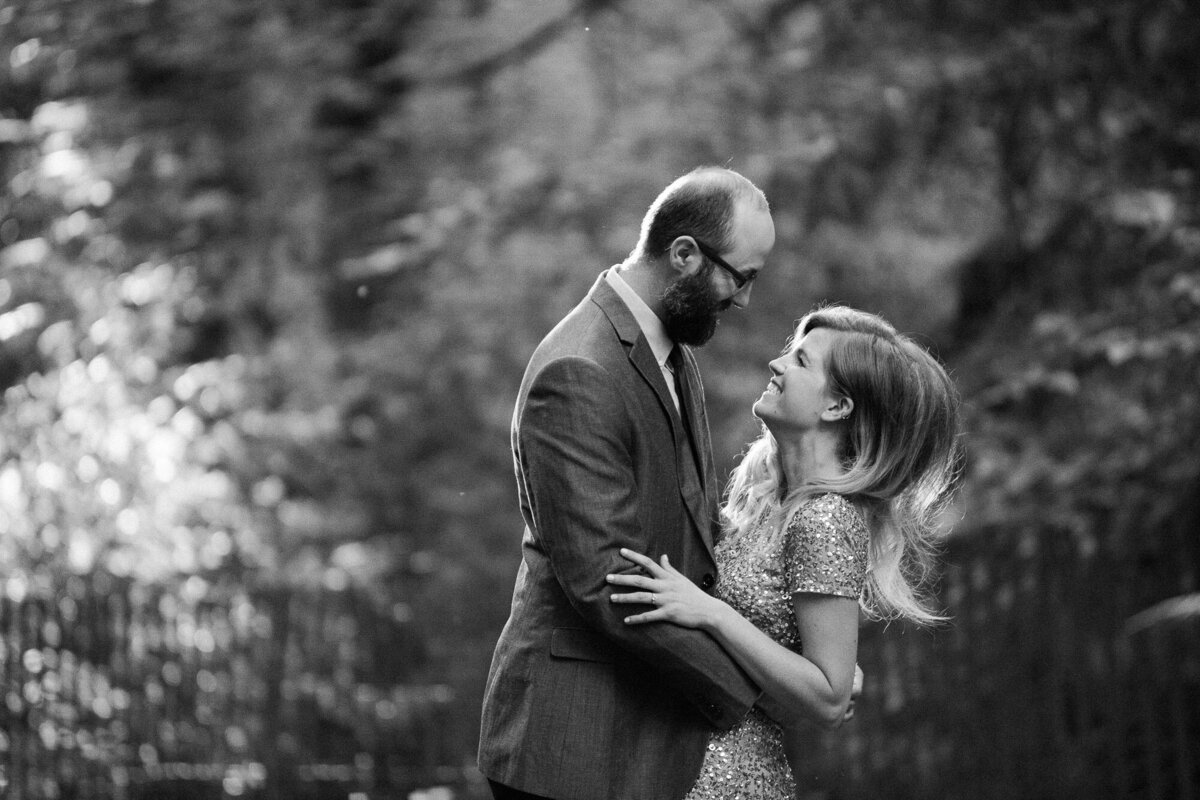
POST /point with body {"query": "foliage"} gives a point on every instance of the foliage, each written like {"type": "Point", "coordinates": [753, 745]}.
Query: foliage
{"type": "Point", "coordinates": [271, 272]}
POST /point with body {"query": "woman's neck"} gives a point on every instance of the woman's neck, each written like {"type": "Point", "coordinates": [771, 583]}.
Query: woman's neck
{"type": "Point", "coordinates": [810, 457]}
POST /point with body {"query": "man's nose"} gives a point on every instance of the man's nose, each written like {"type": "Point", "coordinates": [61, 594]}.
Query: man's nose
{"type": "Point", "coordinates": [741, 299]}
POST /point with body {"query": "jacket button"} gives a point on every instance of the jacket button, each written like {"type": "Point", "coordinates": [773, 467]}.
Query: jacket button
{"type": "Point", "coordinates": [707, 581]}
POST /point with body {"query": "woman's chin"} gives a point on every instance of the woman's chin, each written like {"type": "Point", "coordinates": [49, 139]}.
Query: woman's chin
{"type": "Point", "coordinates": [762, 410]}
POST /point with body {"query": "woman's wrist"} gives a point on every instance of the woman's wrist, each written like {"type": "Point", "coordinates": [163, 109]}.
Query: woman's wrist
{"type": "Point", "coordinates": [716, 616]}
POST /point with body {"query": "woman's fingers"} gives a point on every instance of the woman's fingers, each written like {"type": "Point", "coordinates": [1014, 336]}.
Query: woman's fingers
{"type": "Point", "coordinates": [636, 581]}
{"type": "Point", "coordinates": [645, 598]}
{"type": "Point", "coordinates": [649, 616]}
{"type": "Point", "coordinates": [641, 560]}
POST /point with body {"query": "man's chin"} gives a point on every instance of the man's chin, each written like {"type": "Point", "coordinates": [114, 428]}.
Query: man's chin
{"type": "Point", "coordinates": [696, 338]}
{"type": "Point", "coordinates": [693, 332]}
{"type": "Point", "coordinates": [710, 334]}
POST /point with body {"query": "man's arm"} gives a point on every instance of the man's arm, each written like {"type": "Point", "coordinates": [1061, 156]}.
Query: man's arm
{"type": "Point", "coordinates": [574, 440]}
{"type": "Point", "coordinates": [818, 686]}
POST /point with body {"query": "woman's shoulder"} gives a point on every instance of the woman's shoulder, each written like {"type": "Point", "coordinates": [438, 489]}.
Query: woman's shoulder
{"type": "Point", "coordinates": [829, 511]}
{"type": "Point", "coordinates": [826, 548]}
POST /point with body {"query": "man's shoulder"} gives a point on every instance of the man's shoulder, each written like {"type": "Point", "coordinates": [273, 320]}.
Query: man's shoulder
{"type": "Point", "coordinates": [585, 331]}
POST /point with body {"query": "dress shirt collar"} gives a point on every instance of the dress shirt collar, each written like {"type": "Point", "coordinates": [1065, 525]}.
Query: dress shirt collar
{"type": "Point", "coordinates": [656, 334]}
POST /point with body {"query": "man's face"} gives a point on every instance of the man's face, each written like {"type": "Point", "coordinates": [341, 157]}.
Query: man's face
{"type": "Point", "coordinates": [693, 304]}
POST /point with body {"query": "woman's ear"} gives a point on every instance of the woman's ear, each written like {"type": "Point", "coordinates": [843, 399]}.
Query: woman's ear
{"type": "Point", "coordinates": [838, 409]}
{"type": "Point", "coordinates": [685, 257]}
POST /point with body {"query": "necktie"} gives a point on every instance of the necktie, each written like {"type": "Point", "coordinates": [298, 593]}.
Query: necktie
{"type": "Point", "coordinates": [682, 389]}
{"type": "Point", "coordinates": [686, 405]}
{"type": "Point", "coordinates": [675, 362]}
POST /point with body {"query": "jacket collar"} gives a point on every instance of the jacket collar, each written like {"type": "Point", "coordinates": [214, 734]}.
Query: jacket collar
{"type": "Point", "coordinates": [618, 313]}
{"type": "Point", "coordinates": [651, 326]}
{"type": "Point", "coordinates": [641, 355]}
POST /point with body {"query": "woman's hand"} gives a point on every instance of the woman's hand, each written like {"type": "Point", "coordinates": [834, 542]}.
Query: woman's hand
{"type": "Point", "coordinates": [675, 598]}
{"type": "Point", "coordinates": [855, 691]}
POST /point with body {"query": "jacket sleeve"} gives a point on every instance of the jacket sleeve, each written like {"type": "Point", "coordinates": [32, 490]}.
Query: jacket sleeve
{"type": "Point", "coordinates": [574, 439]}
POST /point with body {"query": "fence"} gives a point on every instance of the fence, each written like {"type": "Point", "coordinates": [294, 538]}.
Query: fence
{"type": "Point", "coordinates": [1047, 684]}
{"type": "Point", "coordinates": [111, 689]}
{"type": "Point", "coordinates": [1066, 673]}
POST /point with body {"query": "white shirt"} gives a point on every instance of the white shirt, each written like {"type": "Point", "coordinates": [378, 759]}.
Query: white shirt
{"type": "Point", "coordinates": [652, 327]}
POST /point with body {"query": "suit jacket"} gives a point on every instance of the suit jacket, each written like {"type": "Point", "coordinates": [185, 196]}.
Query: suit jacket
{"type": "Point", "coordinates": [579, 705]}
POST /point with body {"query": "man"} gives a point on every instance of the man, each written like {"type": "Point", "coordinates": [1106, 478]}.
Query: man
{"type": "Point", "coordinates": [611, 447]}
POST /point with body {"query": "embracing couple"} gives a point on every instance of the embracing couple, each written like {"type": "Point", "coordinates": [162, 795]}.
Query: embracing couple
{"type": "Point", "coordinates": [661, 642]}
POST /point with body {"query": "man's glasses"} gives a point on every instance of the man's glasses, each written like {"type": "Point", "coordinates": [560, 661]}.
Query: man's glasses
{"type": "Point", "coordinates": [740, 279]}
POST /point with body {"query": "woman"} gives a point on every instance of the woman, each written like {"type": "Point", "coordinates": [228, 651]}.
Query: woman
{"type": "Point", "coordinates": [831, 509]}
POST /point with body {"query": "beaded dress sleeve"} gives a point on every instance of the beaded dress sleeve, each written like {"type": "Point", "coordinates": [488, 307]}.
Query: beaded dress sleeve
{"type": "Point", "coordinates": [825, 548]}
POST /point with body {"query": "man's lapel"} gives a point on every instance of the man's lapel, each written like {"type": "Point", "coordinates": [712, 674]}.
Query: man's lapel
{"type": "Point", "coordinates": [640, 354]}
{"type": "Point", "coordinates": [692, 401]}
{"type": "Point", "coordinates": [642, 357]}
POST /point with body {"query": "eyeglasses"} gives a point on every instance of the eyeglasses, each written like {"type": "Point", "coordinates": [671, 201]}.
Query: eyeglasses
{"type": "Point", "coordinates": [740, 279]}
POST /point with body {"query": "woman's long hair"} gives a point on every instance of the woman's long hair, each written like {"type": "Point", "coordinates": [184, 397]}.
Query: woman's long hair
{"type": "Point", "coordinates": [900, 455]}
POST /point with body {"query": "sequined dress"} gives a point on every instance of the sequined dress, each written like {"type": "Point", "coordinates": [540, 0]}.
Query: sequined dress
{"type": "Point", "coordinates": [824, 550]}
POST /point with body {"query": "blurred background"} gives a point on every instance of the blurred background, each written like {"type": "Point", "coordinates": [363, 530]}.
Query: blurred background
{"type": "Point", "coordinates": [270, 271]}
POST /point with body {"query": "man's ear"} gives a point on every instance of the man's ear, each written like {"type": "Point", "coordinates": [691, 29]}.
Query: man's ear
{"type": "Point", "coordinates": [838, 409]}
{"type": "Point", "coordinates": [685, 257]}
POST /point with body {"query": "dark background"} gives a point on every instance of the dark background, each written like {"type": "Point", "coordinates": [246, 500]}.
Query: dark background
{"type": "Point", "coordinates": [270, 271]}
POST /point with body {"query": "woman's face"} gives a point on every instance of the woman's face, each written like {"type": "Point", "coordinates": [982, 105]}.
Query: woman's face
{"type": "Point", "coordinates": [799, 392]}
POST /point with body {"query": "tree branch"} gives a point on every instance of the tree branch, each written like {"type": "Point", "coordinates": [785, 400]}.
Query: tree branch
{"type": "Point", "coordinates": [515, 53]}
{"type": "Point", "coordinates": [756, 28]}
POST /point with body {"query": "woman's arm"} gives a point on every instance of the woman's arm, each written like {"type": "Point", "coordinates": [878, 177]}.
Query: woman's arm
{"type": "Point", "coordinates": [816, 686]}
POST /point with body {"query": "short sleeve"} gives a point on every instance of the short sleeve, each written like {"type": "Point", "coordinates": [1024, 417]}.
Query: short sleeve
{"type": "Point", "coordinates": [825, 548]}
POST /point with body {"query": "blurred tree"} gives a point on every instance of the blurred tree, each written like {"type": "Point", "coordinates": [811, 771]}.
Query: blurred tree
{"type": "Point", "coordinates": [272, 272]}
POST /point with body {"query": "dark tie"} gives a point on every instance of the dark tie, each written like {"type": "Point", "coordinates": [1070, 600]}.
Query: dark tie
{"type": "Point", "coordinates": [675, 361]}
{"type": "Point", "coordinates": [683, 390]}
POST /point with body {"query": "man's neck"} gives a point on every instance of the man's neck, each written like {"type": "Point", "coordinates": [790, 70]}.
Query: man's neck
{"type": "Point", "coordinates": [643, 277]}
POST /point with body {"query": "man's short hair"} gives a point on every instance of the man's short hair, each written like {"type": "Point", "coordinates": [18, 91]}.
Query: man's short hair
{"type": "Point", "coordinates": [700, 204]}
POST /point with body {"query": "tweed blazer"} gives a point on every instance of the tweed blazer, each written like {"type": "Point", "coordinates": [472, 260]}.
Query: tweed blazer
{"type": "Point", "coordinates": [578, 705]}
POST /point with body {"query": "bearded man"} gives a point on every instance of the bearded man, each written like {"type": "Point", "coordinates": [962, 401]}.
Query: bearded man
{"type": "Point", "coordinates": [611, 446]}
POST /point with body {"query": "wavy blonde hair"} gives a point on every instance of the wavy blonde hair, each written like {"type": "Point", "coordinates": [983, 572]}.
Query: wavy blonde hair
{"type": "Point", "coordinates": [900, 455]}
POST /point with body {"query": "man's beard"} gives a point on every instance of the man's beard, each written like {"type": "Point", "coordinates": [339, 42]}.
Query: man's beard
{"type": "Point", "coordinates": [691, 309]}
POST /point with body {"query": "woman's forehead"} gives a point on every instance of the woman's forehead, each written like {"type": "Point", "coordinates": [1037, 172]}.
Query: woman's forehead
{"type": "Point", "coordinates": [815, 337]}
